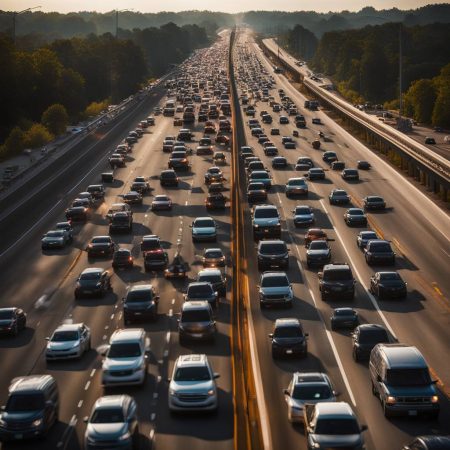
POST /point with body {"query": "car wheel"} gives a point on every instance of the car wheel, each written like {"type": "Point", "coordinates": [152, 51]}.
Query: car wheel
{"type": "Point", "coordinates": [355, 355]}
{"type": "Point", "coordinates": [386, 411]}
{"type": "Point", "coordinates": [333, 326]}
{"type": "Point", "coordinates": [374, 391]}
{"type": "Point", "coordinates": [89, 345]}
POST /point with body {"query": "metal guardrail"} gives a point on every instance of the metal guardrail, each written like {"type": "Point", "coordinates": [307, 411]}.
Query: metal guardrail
{"type": "Point", "coordinates": [431, 160]}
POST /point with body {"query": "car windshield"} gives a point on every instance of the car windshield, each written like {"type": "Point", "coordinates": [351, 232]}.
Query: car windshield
{"type": "Point", "coordinates": [6, 314]}
{"type": "Point", "coordinates": [90, 276]}
{"type": "Point", "coordinates": [318, 245]}
{"type": "Point", "coordinates": [296, 182]}
{"type": "Point", "coordinates": [199, 291]}
{"type": "Point", "coordinates": [344, 312]}
{"type": "Point", "coordinates": [302, 210]}
{"type": "Point", "coordinates": [259, 175]}
{"type": "Point", "coordinates": [274, 281]}
{"type": "Point", "coordinates": [192, 374]}
{"type": "Point", "coordinates": [205, 223]}
{"type": "Point", "coordinates": [210, 278]}
{"type": "Point", "coordinates": [373, 336]}
{"type": "Point", "coordinates": [288, 332]}
{"type": "Point", "coordinates": [110, 415]}
{"type": "Point", "coordinates": [389, 276]}
{"type": "Point", "coordinates": [337, 426]}
{"type": "Point", "coordinates": [124, 350]}
{"type": "Point", "coordinates": [380, 247]}
{"type": "Point", "coordinates": [213, 254]}
{"type": "Point", "coordinates": [408, 377]}
{"type": "Point", "coordinates": [266, 213]}
{"type": "Point", "coordinates": [337, 275]}
{"type": "Point", "coordinates": [272, 249]}
{"type": "Point", "coordinates": [369, 236]}
{"type": "Point", "coordinates": [196, 315]}
{"type": "Point", "coordinates": [374, 199]}
{"type": "Point", "coordinates": [350, 172]}
{"type": "Point", "coordinates": [318, 392]}
{"type": "Point", "coordinates": [62, 336]}
{"type": "Point", "coordinates": [168, 175]}
{"type": "Point", "coordinates": [340, 194]}
{"type": "Point", "coordinates": [356, 212]}
{"type": "Point", "coordinates": [161, 198]}
{"type": "Point", "coordinates": [139, 296]}
{"type": "Point", "coordinates": [25, 402]}
{"type": "Point", "coordinates": [101, 240]}
{"type": "Point", "coordinates": [55, 234]}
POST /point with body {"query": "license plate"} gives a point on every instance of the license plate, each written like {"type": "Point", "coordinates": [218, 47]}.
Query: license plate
{"type": "Point", "coordinates": [412, 412]}
{"type": "Point", "coordinates": [289, 352]}
{"type": "Point", "coordinates": [137, 313]}
{"type": "Point", "coordinates": [18, 436]}
{"type": "Point", "coordinates": [88, 292]}
{"type": "Point", "coordinates": [196, 335]}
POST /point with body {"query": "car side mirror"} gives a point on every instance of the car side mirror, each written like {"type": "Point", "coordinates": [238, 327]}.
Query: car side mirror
{"type": "Point", "coordinates": [364, 428]}
{"type": "Point", "coordinates": [85, 419]}
{"type": "Point", "coordinates": [270, 335]}
{"type": "Point", "coordinates": [286, 392]}
{"type": "Point", "coordinates": [216, 375]}
{"type": "Point", "coordinates": [157, 297]}
{"type": "Point", "coordinates": [47, 338]}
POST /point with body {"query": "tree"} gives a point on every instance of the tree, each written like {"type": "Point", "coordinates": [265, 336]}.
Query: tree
{"type": "Point", "coordinates": [55, 119]}
{"type": "Point", "coordinates": [441, 111]}
{"type": "Point", "coordinates": [421, 97]}
{"type": "Point", "coordinates": [15, 142]}
{"type": "Point", "coordinates": [37, 136]}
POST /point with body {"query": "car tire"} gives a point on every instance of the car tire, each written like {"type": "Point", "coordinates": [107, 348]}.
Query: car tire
{"type": "Point", "coordinates": [374, 391]}
{"type": "Point", "coordinates": [355, 355]}
{"type": "Point", "coordinates": [323, 296]}
{"type": "Point", "coordinates": [89, 346]}
{"type": "Point", "coordinates": [386, 411]}
{"type": "Point", "coordinates": [333, 327]}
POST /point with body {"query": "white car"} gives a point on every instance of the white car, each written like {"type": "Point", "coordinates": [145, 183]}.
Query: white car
{"type": "Point", "coordinates": [125, 360]}
{"type": "Point", "coordinates": [161, 202]}
{"type": "Point", "coordinates": [193, 386]}
{"type": "Point", "coordinates": [68, 341]}
{"type": "Point", "coordinates": [204, 229]}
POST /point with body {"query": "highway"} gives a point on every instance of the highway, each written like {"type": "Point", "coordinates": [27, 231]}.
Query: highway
{"type": "Point", "coordinates": [419, 232]}
{"type": "Point", "coordinates": [43, 285]}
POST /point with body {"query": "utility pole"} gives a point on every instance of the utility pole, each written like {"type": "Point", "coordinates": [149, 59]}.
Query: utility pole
{"type": "Point", "coordinates": [400, 102]}
{"type": "Point", "coordinates": [15, 14]}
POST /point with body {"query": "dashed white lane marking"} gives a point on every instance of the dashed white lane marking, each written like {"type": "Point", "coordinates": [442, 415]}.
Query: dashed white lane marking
{"type": "Point", "coordinates": [186, 203]}
{"type": "Point", "coordinates": [166, 353]}
{"type": "Point", "coordinates": [155, 395]}
{"type": "Point", "coordinates": [80, 404]}
{"type": "Point", "coordinates": [120, 315]}
{"type": "Point", "coordinates": [152, 434]}
{"type": "Point", "coordinates": [86, 387]}
{"type": "Point", "coordinates": [92, 372]}
{"type": "Point", "coordinates": [168, 337]}
{"type": "Point", "coordinates": [173, 301]}
{"type": "Point", "coordinates": [73, 421]}
{"type": "Point", "coordinates": [104, 337]}
{"type": "Point", "coordinates": [170, 314]}
{"type": "Point", "coordinates": [106, 327]}
{"type": "Point", "coordinates": [112, 316]}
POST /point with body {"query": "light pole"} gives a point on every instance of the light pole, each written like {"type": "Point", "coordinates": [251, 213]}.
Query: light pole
{"type": "Point", "coordinates": [400, 100]}
{"type": "Point", "coordinates": [117, 19]}
{"type": "Point", "coordinates": [15, 14]}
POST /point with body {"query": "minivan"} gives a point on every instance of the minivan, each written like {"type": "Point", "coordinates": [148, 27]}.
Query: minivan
{"type": "Point", "coordinates": [32, 408]}
{"type": "Point", "coordinates": [401, 380]}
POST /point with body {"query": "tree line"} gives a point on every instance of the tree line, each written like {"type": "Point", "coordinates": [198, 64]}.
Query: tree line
{"type": "Point", "coordinates": [41, 90]}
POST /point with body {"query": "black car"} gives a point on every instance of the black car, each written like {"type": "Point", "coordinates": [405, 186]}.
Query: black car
{"type": "Point", "coordinates": [288, 338]}
{"type": "Point", "coordinates": [122, 258]}
{"type": "Point", "coordinates": [350, 174]}
{"type": "Point", "coordinates": [378, 251]}
{"type": "Point", "coordinates": [168, 178]}
{"type": "Point", "coordinates": [363, 165]}
{"type": "Point", "coordinates": [344, 318]}
{"type": "Point", "coordinates": [432, 442]}
{"type": "Point", "coordinates": [155, 259]}
{"type": "Point", "coordinates": [364, 237]}
{"type": "Point", "coordinates": [215, 201]}
{"type": "Point", "coordinates": [93, 281]}
{"type": "Point", "coordinates": [337, 282]}
{"type": "Point", "coordinates": [216, 278]}
{"type": "Point", "coordinates": [329, 157]}
{"type": "Point", "coordinates": [338, 197]}
{"type": "Point", "coordinates": [279, 162]}
{"type": "Point", "coordinates": [100, 246]}
{"type": "Point", "coordinates": [77, 214]}
{"type": "Point", "coordinates": [318, 253]}
{"type": "Point", "coordinates": [132, 198]}
{"type": "Point", "coordinates": [270, 150]}
{"type": "Point", "coordinates": [338, 165]}
{"type": "Point", "coordinates": [387, 285]}
{"type": "Point", "coordinates": [12, 320]}
{"type": "Point", "coordinates": [365, 337]}
{"type": "Point", "coordinates": [142, 187]}
{"type": "Point", "coordinates": [273, 254]}
{"type": "Point", "coordinates": [140, 303]}
{"type": "Point", "coordinates": [150, 243]}
{"type": "Point", "coordinates": [316, 173]}
{"type": "Point", "coordinates": [355, 216]}
{"type": "Point", "coordinates": [179, 160]}
{"type": "Point", "coordinates": [374, 202]}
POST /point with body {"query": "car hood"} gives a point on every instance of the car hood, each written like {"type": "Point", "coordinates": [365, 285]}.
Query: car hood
{"type": "Point", "coordinates": [274, 221]}
{"type": "Point", "coordinates": [288, 340]}
{"type": "Point", "coordinates": [88, 283]}
{"type": "Point", "coordinates": [419, 391]}
{"type": "Point", "coordinates": [303, 217]}
{"type": "Point", "coordinates": [106, 431]}
{"type": "Point", "coordinates": [122, 363]}
{"type": "Point", "coordinates": [52, 239]}
{"type": "Point", "coordinates": [391, 284]}
{"type": "Point", "coordinates": [318, 252]}
{"type": "Point", "coordinates": [99, 245]}
{"type": "Point", "coordinates": [6, 322]}
{"type": "Point", "coordinates": [333, 440]}
{"type": "Point", "coordinates": [66, 345]}
{"type": "Point", "coordinates": [203, 230]}
{"type": "Point", "coordinates": [192, 386]}
{"type": "Point", "coordinates": [21, 416]}
{"type": "Point", "coordinates": [282, 290]}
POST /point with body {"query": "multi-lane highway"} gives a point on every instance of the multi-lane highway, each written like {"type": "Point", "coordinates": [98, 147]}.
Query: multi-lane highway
{"type": "Point", "coordinates": [419, 233]}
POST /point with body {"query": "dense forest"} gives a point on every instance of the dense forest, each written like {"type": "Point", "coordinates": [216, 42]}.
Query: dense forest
{"type": "Point", "coordinates": [69, 79]}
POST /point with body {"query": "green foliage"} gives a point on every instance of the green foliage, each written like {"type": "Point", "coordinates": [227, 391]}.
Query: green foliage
{"type": "Point", "coordinates": [441, 111]}
{"type": "Point", "coordinates": [300, 42]}
{"type": "Point", "coordinates": [55, 119]}
{"type": "Point", "coordinates": [95, 108]}
{"type": "Point", "coordinates": [15, 142]}
{"type": "Point", "coordinates": [37, 136]}
{"type": "Point", "coordinates": [419, 100]}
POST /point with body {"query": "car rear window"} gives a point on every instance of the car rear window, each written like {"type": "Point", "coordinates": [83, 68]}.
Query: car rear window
{"type": "Point", "coordinates": [338, 275]}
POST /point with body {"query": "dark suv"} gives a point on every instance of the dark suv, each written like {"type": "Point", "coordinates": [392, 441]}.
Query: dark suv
{"type": "Point", "coordinates": [141, 302]}
{"type": "Point", "coordinates": [336, 281]}
{"type": "Point", "coordinates": [288, 338]}
{"type": "Point", "coordinates": [121, 222]}
{"type": "Point", "coordinates": [273, 254]}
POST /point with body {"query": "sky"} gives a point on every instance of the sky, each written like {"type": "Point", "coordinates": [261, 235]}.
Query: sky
{"type": "Point", "coordinates": [231, 6]}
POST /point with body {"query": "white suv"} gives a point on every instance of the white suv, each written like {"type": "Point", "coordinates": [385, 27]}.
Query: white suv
{"type": "Point", "coordinates": [126, 358]}
{"type": "Point", "coordinates": [193, 386]}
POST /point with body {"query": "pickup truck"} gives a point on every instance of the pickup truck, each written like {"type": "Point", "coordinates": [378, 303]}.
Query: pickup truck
{"type": "Point", "coordinates": [332, 425]}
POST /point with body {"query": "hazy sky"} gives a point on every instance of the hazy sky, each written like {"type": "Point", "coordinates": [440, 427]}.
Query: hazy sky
{"type": "Point", "coordinates": [226, 6]}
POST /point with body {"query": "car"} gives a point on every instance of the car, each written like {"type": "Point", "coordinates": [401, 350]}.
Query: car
{"type": "Point", "coordinates": [93, 281]}
{"type": "Point", "coordinates": [12, 321]}
{"type": "Point", "coordinates": [355, 216]}
{"type": "Point", "coordinates": [140, 303]}
{"type": "Point", "coordinates": [101, 246]}
{"type": "Point", "coordinates": [274, 131]}
{"type": "Point", "coordinates": [315, 173]}
{"type": "Point", "coordinates": [204, 229]}
{"type": "Point", "coordinates": [314, 234]}
{"type": "Point", "coordinates": [338, 165]}
{"type": "Point", "coordinates": [364, 237]}
{"type": "Point", "coordinates": [284, 120]}
{"type": "Point", "coordinates": [329, 157]}
{"type": "Point", "coordinates": [388, 285]}
{"type": "Point", "coordinates": [118, 207]}
{"type": "Point", "coordinates": [122, 258]}
{"type": "Point", "coordinates": [113, 420]}
{"type": "Point", "coordinates": [167, 145]}
{"type": "Point", "coordinates": [316, 121]}
{"type": "Point", "coordinates": [67, 227]}
{"type": "Point", "coordinates": [288, 338]}
{"type": "Point", "coordinates": [364, 339]}
{"type": "Point", "coordinates": [202, 291]}
{"type": "Point", "coordinates": [338, 197]}
{"type": "Point", "coordinates": [266, 222]}
{"type": "Point", "coordinates": [344, 318]}
{"type": "Point", "coordinates": [279, 162]}
{"type": "Point", "coordinates": [168, 178]}
{"type": "Point", "coordinates": [192, 387]}
{"type": "Point", "coordinates": [68, 341]}
{"type": "Point", "coordinates": [205, 149]}
{"type": "Point", "coordinates": [121, 221]}
{"type": "Point", "coordinates": [77, 214]}
{"type": "Point", "coordinates": [363, 165]}
{"type": "Point", "coordinates": [178, 160]}
{"type": "Point", "coordinates": [256, 193]}
{"type": "Point", "coordinates": [116, 161]}
{"type": "Point", "coordinates": [155, 259]}
{"type": "Point", "coordinates": [307, 388]}
{"type": "Point", "coordinates": [140, 186]}
{"type": "Point", "coordinates": [430, 141]}
{"type": "Point", "coordinates": [318, 253]}
{"type": "Point", "coordinates": [350, 174]}
{"type": "Point", "coordinates": [296, 186]}
{"type": "Point", "coordinates": [250, 159]}
{"type": "Point", "coordinates": [255, 165]}
{"type": "Point", "coordinates": [213, 257]}
{"type": "Point", "coordinates": [304, 163]}
{"type": "Point", "coordinates": [246, 151]}
{"type": "Point", "coordinates": [126, 358]}
{"type": "Point", "coordinates": [213, 174]}
{"type": "Point", "coordinates": [372, 202]}
{"type": "Point", "coordinates": [432, 442]}
{"type": "Point", "coordinates": [150, 243]}
{"type": "Point", "coordinates": [379, 251]}
{"type": "Point", "coordinates": [275, 289]}
{"type": "Point", "coordinates": [219, 158]}
{"type": "Point", "coordinates": [196, 321]}
{"type": "Point", "coordinates": [270, 150]}
{"type": "Point", "coordinates": [55, 239]}
{"type": "Point", "coordinates": [82, 202]}
{"type": "Point", "coordinates": [336, 281]}
{"type": "Point", "coordinates": [97, 191]}
{"type": "Point", "coordinates": [261, 176]}
{"type": "Point", "coordinates": [303, 215]}
{"type": "Point", "coordinates": [161, 202]}
{"type": "Point", "coordinates": [216, 201]}
{"type": "Point", "coordinates": [132, 198]}
{"type": "Point", "coordinates": [217, 279]}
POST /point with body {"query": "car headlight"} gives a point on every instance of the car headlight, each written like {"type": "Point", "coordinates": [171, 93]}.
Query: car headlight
{"type": "Point", "coordinates": [36, 423]}
{"type": "Point", "coordinates": [211, 392]}
{"type": "Point", "coordinates": [2, 423]}
{"type": "Point", "coordinates": [172, 392]}
{"type": "Point", "coordinates": [391, 399]}
{"type": "Point", "coordinates": [434, 399]}
{"type": "Point", "coordinates": [125, 436]}
{"type": "Point", "coordinates": [255, 225]}
{"type": "Point", "coordinates": [98, 285]}
{"type": "Point", "coordinates": [75, 344]}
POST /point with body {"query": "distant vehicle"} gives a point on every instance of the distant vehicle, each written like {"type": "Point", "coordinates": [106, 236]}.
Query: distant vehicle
{"type": "Point", "coordinates": [344, 318]}
{"type": "Point", "coordinates": [12, 321]}
{"type": "Point", "coordinates": [68, 341]}
{"type": "Point", "coordinates": [275, 289]}
{"type": "Point", "coordinates": [388, 285]}
{"type": "Point", "coordinates": [101, 246]}
{"type": "Point", "coordinates": [364, 339]}
{"type": "Point", "coordinates": [430, 141]}
{"type": "Point", "coordinates": [93, 281]}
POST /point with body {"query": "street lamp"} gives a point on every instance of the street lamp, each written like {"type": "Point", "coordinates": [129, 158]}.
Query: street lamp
{"type": "Point", "coordinates": [117, 18]}
{"type": "Point", "coordinates": [15, 14]}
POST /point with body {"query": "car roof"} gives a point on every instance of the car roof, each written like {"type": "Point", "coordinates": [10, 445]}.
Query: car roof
{"type": "Point", "coordinates": [195, 305]}
{"type": "Point", "coordinates": [128, 334]}
{"type": "Point", "coordinates": [336, 267]}
{"type": "Point", "coordinates": [345, 310]}
{"type": "Point", "coordinates": [370, 327]}
{"type": "Point", "coordinates": [149, 237]}
{"type": "Point", "coordinates": [334, 410]}
{"type": "Point", "coordinates": [404, 355]}
{"type": "Point", "coordinates": [93, 270]}
{"type": "Point", "coordinates": [311, 377]}
{"type": "Point", "coordinates": [192, 360]}
{"type": "Point", "coordinates": [287, 322]}
{"type": "Point", "coordinates": [204, 218]}
{"type": "Point", "coordinates": [215, 249]}
{"type": "Point", "coordinates": [108, 401]}
{"type": "Point", "coordinates": [210, 271]}
{"type": "Point", "coordinates": [141, 287]}
{"type": "Point", "coordinates": [30, 382]}
{"type": "Point", "coordinates": [69, 327]}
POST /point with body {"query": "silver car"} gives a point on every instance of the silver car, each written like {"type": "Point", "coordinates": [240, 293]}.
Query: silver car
{"type": "Point", "coordinates": [68, 341]}
{"type": "Point", "coordinates": [275, 290]}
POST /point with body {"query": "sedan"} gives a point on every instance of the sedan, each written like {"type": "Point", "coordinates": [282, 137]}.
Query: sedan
{"type": "Point", "coordinates": [374, 202]}
{"type": "Point", "coordinates": [363, 165]}
{"type": "Point", "coordinates": [388, 285]}
{"type": "Point", "coordinates": [315, 173]}
{"type": "Point", "coordinates": [344, 318]}
{"type": "Point", "coordinates": [279, 162]}
{"type": "Point", "coordinates": [69, 341]}
{"type": "Point", "coordinates": [350, 174]}
{"type": "Point", "coordinates": [77, 214]}
{"type": "Point", "coordinates": [284, 120]}
{"type": "Point", "coordinates": [303, 215]}
{"type": "Point", "coordinates": [355, 216]}
{"type": "Point", "coordinates": [379, 251]}
{"type": "Point", "coordinates": [315, 234]}
{"type": "Point", "coordinates": [364, 237]}
{"type": "Point", "coordinates": [329, 157]}
{"type": "Point", "coordinates": [100, 246]}
{"type": "Point", "coordinates": [93, 281]}
{"type": "Point", "coordinates": [364, 339]}
{"type": "Point", "coordinates": [122, 258]}
{"type": "Point", "coordinates": [161, 202]}
{"type": "Point", "coordinates": [12, 320]}
{"type": "Point", "coordinates": [296, 186]}
{"type": "Point", "coordinates": [213, 174]}
{"type": "Point", "coordinates": [132, 198]}
{"type": "Point", "coordinates": [55, 239]}
{"type": "Point", "coordinates": [318, 253]}
{"type": "Point", "coordinates": [338, 197]}
{"type": "Point", "coordinates": [213, 257]}
{"type": "Point", "coordinates": [204, 229]}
